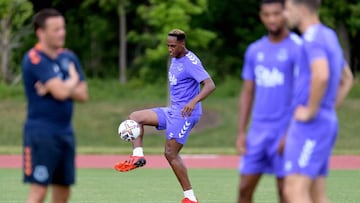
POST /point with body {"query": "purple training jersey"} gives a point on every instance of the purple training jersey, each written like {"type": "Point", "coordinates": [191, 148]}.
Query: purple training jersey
{"type": "Point", "coordinates": [185, 75]}
{"type": "Point", "coordinates": [320, 42]}
{"type": "Point", "coordinates": [271, 67]}
{"type": "Point", "coordinates": [309, 144]}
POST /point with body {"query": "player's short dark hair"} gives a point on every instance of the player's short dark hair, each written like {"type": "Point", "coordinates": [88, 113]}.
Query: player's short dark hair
{"type": "Point", "coordinates": [313, 5]}
{"type": "Point", "coordinates": [179, 34]}
{"type": "Point", "coordinates": [41, 17]}
{"type": "Point", "coordinates": [282, 2]}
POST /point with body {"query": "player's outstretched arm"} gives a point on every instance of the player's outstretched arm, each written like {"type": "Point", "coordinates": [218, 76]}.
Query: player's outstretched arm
{"type": "Point", "coordinates": [346, 83]}
{"type": "Point", "coordinates": [80, 92]}
{"type": "Point", "coordinates": [206, 90]}
{"type": "Point", "coordinates": [245, 106]}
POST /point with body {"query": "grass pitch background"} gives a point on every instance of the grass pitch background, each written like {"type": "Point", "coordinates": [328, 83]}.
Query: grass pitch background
{"type": "Point", "coordinates": [110, 102]}
{"type": "Point", "coordinates": [160, 186]}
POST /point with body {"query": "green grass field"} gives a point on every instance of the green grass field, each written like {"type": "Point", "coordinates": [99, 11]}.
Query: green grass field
{"type": "Point", "coordinates": [160, 186]}
{"type": "Point", "coordinates": [96, 121]}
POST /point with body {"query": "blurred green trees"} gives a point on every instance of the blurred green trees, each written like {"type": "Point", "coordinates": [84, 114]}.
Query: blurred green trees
{"type": "Point", "coordinates": [127, 39]}
{"type": "Point", "coordinates": [13, 15]}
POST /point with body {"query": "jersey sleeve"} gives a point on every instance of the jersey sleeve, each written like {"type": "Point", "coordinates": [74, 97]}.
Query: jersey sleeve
{"type": "Point", "coordinates": [78, 66]}
{"type": "Point", "coordinates": [42, 70]}
{"type": "Point", "coordinates": [315, 51]}
{"type": "Point", "coordinates": [343, 63]}
{"type": "Point", "coordinates": [248, 67]}
{"type": "Point", "coordinates": [198, 72]}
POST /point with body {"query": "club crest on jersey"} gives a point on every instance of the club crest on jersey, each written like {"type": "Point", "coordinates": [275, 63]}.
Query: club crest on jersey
{"type": "Point", "coordinates": [177, 67]}
{"type": "Point", "coordinates": [56, 68]}
{"type": "Point", "coordinates": [282, 55]}
{"type": "Point", "coordinates": [260, 56]}
{"type": "Point", "coordinates": [65, 64]}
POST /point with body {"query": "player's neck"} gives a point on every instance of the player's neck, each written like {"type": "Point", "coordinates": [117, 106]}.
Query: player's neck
{"type": "Point", "coordinates": [309, 21]}
{"type": "Point", "coordinates": [275, 38]}
{"type": "Point", "coordinates": [49, 51]}
{"type": "Point", "coordinates": [182, 54]}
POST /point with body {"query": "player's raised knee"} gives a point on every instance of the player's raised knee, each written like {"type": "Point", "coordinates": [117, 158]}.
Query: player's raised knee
{"type": "Point", "coordinates": [137, 116]}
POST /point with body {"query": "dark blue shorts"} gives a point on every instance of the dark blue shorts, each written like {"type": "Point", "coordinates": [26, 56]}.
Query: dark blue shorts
{"type": "Point", "coordinates": [49, 157]}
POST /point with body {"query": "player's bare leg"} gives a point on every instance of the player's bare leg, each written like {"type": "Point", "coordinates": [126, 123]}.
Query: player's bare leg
{"type": "Point", "coordinates": [318, 191]}
{"type": "Point", "coordinates": [297, 189]}
{"type": "Point", "coordinates": [142, 117]}
{"type": "Point", "coordinates": [247, 187]}
{"type": "Point", "coordinates": [172, 149]}
{"type": "Point", "coordinates": [37, 193]}
{"type": "Point", "coordinates": [60, 193]}
{"type": "Point", "coordinates": [280, 187]}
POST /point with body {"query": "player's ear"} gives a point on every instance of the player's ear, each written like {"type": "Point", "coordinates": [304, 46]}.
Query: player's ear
{"type": "Point", "coordinates": [183, 43]}
{"type": "Point", "coordinates": [39, 32]}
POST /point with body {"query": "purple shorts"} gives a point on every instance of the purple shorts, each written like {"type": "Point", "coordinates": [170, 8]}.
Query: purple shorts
{"type": "Point", "coordinates": [177, 127]}
{"type": "Point", "coordinates": [262, 150]}
{"type": "Point", "coordinates": [309, 145]}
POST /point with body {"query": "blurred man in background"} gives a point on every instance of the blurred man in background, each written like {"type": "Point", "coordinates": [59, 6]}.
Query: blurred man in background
{"type": "Point", "coordinates": [267, 90]}
{"type": "Point", "coordinates": [53, 79]}
{"type": "Point", "coordinates": [323, 79]}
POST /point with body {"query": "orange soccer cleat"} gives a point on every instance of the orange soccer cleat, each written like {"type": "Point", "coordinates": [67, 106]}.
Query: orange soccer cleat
{"type": "Point", "coordinates": [130, 164]}
{"type": "Point", "coordinates": [186, 200]}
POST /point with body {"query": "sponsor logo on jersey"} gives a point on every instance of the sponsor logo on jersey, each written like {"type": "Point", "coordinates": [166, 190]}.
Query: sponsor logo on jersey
{"type": "Point", "coordinates": [282, 55]}
{"type": "Point", "coordinates": [172, 79]}
{"type": "Point", "coordinates": [266, 77]}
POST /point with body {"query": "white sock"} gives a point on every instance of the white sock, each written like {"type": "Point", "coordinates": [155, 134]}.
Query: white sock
{"type": "Point", "coordinates": [138, 151]}
{"type": "Point", "coordinates": [190, 195]}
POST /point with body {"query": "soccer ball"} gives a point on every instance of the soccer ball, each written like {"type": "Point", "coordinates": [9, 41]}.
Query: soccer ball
{"type": "Point", "coordinates": [129, 130]}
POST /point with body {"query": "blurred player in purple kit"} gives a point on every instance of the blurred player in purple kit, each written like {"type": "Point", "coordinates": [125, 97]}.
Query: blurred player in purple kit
{"type": "Point", "coordinates": [53, 79]}
{"type": "Point", "coordinates": [323, 80]}
{"type": "Point", "coordinates": [185, 75]}
{"type": "Point", "coordinates": [267, 90]}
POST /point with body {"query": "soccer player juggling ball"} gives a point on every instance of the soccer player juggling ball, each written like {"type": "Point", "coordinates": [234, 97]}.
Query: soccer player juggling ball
{"type": "Point", "coordinates": [186, 75]}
